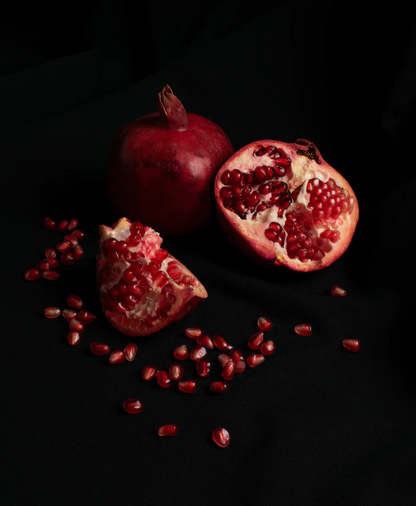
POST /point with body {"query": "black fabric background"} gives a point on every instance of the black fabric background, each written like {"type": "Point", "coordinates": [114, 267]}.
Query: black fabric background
{"type": "Point", "coordinates": [313, 425]}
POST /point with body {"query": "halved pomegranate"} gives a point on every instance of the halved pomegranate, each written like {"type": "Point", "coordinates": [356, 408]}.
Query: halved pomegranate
{"type": "Point", "coordinates": [142, 287]}
{"type": "Point", "coordinates": [282, 204]}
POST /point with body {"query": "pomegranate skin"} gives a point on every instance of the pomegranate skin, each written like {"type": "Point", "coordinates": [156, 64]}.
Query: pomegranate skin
{"type": "Point", "coordinates": [162, 166]}
{"type": "Point", "coordinates": [305, 164]}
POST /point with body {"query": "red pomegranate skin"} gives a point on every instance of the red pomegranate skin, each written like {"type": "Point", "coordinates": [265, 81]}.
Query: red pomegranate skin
{"type": "Point", "coordinates": [162, 166]}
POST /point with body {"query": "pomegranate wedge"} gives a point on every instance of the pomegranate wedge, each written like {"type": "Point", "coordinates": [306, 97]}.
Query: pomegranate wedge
{"type": "Point", "coordinates": [142, 287]}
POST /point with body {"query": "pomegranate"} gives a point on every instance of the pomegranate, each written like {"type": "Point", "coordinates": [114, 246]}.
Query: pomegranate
{"type": "Point", "coordinates": [142, 287]}
{"type": "Point", "coordinates": [162, 166]}
{"type": "Point", "coordinates": [282, 204]}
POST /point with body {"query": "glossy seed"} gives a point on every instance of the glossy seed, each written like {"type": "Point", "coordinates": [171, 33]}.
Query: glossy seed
{"type": "Point", "coordinates": [181, 352]}
{"type": "Point", "coordinates": [62, 225]}
{"type": "Point", "coordinates": [74, 338]}
{"type": "Point", "coordinates": [132, 406]}
{"type": "Point", "coordinates": [32, 274]}
{"type": "Point", "coordinates": [78, 252]}
{"type": "Point", "coordinates": [221, 343]}
{"type": "Point", "coordinates": [352, 344]}
{"type": "Point", "coordinates": [228, 370]}
{"type": "Point", "coordinates": [64, 246]}
{"type": "Point", "coordinates": [256, 340]}
{"type": "Point", "coordinates": [337, 291]}
{"type": "Point", "coordinates": [149, 372]}
{"type": "Point", "coordinates": [267, 348]}
{"type": "Point", "coordinates": [205, 341]}
{"type": "Point", "coordinates": [74, 222]}
{"type": "Point", "coordinates": [49, 223]}
{"type": "Point", "coordinates": [50, 253]}
{"type": "Point", "coordinates": [236, 355]}
{"type": "Point", "coordinates": [221, 437]}
{"type": "Point", "coordinates": [264, 324]}
{"type": "Point", "coordinates": [117, 357]}
{"type": "Point", "coordinates": [188, 386]}
{"type": "Point", "coordinates": [203, 368]}
{"type": "Point", "coordinates": [130, 351]}
{"type": "Point", "coordinates": [193, 332]}
{"type": "Point", "coordinates": [99, 348]}
{"type": "Point", "coordinates": [76, 325]}
{"type": "Point", "coordinates": [75, 301]}
{"type": "Point", "coordinates": [163, 379]}
{"type": "Point", "coordinates": [85, 316]}
{"type": "Point", "coordinates": [219, 387]}
{"type": "Point", "coordinates": [223, 358]}
{"type": "Point", "coordinates": [168, 430]}
{"type": "Point", "coordinates": [51, 275]}
{"type": "Point", "coordinates": [198, 353]}
{"type": "Point", "coordinates": [52, 312]}
{"type": "Point", "coordinates": [240, 366]}
{"type": "Point", "coordinates": [175, 372]}
{"type": "Point", "coordinates": [68, 314]}
{"type": "Point", "coordinates": [303, 329]}
{"type": "Point", "coordinates": [255, 359]}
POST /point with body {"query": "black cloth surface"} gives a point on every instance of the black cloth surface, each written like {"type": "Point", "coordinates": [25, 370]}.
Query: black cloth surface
{"type": "Point", "coordinates": [313, 425]}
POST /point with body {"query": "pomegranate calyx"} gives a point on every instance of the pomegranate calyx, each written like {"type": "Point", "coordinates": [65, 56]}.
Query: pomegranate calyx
{"type": "Point", "coordinates": [171, 108]}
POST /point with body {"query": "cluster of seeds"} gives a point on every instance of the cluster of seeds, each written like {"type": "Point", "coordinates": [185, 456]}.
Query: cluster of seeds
{"type": "Point", "coordinates": [69, 248]}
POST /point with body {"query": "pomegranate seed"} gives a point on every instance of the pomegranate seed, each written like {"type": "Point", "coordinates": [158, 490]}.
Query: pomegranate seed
{"type": "Point", "coordinates": [76, 325]}
{"type": "Point", "coordinates": [223, 358]}
{"type": "Point", "coordinates": [256, 340]}
{"type": "Point", "coordinates": [43, 265]}
{"type": "Point", "coordinates": [62, 225]}
{"type": "Point", "coordinates": [163, 379]}
{"type": "Point", "coordinates": [78, 252]}
{"type": "Point", "coordinates": [73, 224]}
{"type": "Point", "coordinates": [337, 291]}
{"type": "Point", "coordinates": [351, 344]}
{"type": "Point", "coordinates": [117, 357]}
{"type": "Point", "coordinates": [203, 368]}
{"type": "Point", "coordinates": [198, 353]}
{"type": "Point", "coordinates": [236, 355]}
{"type": "Point", "coordinates": [32, 274]}
{"type": "Point", "coordinates": [221, 437]}
{"type": "Point", "coordinates": [79, 234]}
{"type": "Point", "coordinates": [67, 258]}
{"type": "Point", "coordinates": [205, 341]}
{"type": "Point", "coordinates": [85, 316]}
{"type": "Point", "coordinates": [187, 386]}
{"type": "Point", "coordinates": [71, 239]}
{"type": "Point", "coordinates": [240, 366]}
{"type": "Point", "coordinates": [49, 223]}
{"type": "Point", "coordinates": [260, 173]}
{"type": "Point", "coordinates": [52, 312]}
{"type": "Point", "coordinates": [64, 246]}
{"type": "Point", "coordinates": [130, 351]}
{"type": "Point", "coordinates": [68, 314]}
{"type": "Point", "coordinates": [219, 387]}
{"type": "Point", "coordinates": [50, 253]}
{"type": "Point", "coordinates": [193, 332]}
{"type": "Point", "coordinates": [267, 348]}
{"type": "Point", "coordinates": [264, 324]}
{"type": "Point", "coordinates": [181, 352]}
{"type": "Point", "coordinates": [75, 301]}
{"type": "Point", "coordinates": [228, 370]}
{"type": "Point", "coordinates": [175, 372]}
{"type": "Point", "coordinates": [255, 359]}
{"type": "Point", "coordinates": [149, 372]}
{"type": "Point", "coordinates": [132, 406]}
{"type": "Point", "coordinates": [51, 275]}
{"type": "Point", "coordinates": [174, 270]}
{"type": "Point", "coordinates": [303, 329]}
{"type": "Point", "coordinates": [168, 430]}
{"type": "Point", "coordinates": [53, 263]}
{"type": "Point", "coordinates": [99, 348]}
{"type": "Point", "coordinates": [221, 343]}
{"type": "Point", "coordinates": [74, 338]}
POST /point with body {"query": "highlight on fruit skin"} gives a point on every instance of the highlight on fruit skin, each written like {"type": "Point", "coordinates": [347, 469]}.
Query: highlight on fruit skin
{"type": "Point", "coordinates": [282, 204]}
{"type": "Point", "coordinates": [142, 287]}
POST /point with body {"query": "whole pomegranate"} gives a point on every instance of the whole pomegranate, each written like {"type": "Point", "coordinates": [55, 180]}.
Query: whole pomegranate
{"type": "Point", "coordinates": [142, 287]}
{"type": "Point", "coordinates": [162, 166]}
{"type": "Point", "coordinates": [282, 204]}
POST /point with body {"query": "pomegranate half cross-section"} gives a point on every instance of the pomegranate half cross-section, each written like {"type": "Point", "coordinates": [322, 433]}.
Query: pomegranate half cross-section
{"type": "Point", "coordinates": [282, 204]}
{"type": "Point", "coordinates": [142, 287]}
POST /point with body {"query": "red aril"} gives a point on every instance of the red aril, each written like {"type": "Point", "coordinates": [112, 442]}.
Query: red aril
{"type": "Point", "coordinates": [75, 301]}
{"type": "Point", "coordinates": [303, 329]}
{"type": "Point", "coordinates": [68, 314]}
{"type": "Point", "coordinates": [220, 342]}
{"type": "Point", "coordinates": [163, 379]}
{"type": "Point", "coordinates": [79, 234]}
{"type": "Point", "coordinates": [219, 387]}
{"type": "Point", "coordinates": [264, 324]}
{"type": "Point", "coordinates": [149, 372]}
{"type": "Point", "coordinates": [78, 252]}
{"type": "Point", "coordinates": [76, 325]}
{"type": "Point", "coordinates": [99, 348]}
{"type": "Point", "coordinates": [62, 225]}
{"type": "Point", "coordinates": [53, 263]}
{"type": "Point", "coordinates": [205, 341]}
{"type": "Point", "coordinates": [240, 366]}
{"type": "Point", "coordinates": [67, 258]}
{"type": "Point", "coordinates": [52, 312]}
{"type": "Point", "coordinates": [203, 368]}
{"type": "Point", "coordinates": [188, 386]}
{"type": "Point", "coordinates": [255, 359]}
{"type": "Point", "coordinates": [228, 370]}
{"type": "Point", "coordinates": [117, 357]}
{"type": "Point", "coordinates": [193, 332]}
{"type": "Point", "coordinates": [137, 294]}
{"type": "Point", "coordinates": [74, 338]}
{"type": "Point", "coordinates": [198, 353]}
{"type": "Point", "coordinates": [32, 274]}
{"type": "Point", "coordinates": [256, 340]}
{"type": "Point", "coordinates": [337, 291]}
{"type": "Point", "coordinates": [221, 437]}
{"type": "Point", "coordinates": [85, 316]}
{"type": "Point", "coordinates": [49, 223]}
{"type": "Point", "coordinates": [51, 275]}
{"type": "Point", "coordinates": [181, 352]}
{"type": "Point", "coordinates": [352, 344]}
{"type": "Point", "coordinates": [161, 167]}
{"type": "Point", "coordinates": [295, 210]}
{"type": "Point", "coordinates": [175, 372]}
{"type": "Point", "coordinates": [236, 355]}
{"type": "Point", "coordinates": [73, 223]}
{"type": "Point", "coordinates": [267, 348]}
{"type": "Point", "coordinates": [168, 430]}
{"type": "Point", "coordinates": [50, 253]}
{"type": "Point", "coordinates": [130, 351]}
{"type": "Point", "coordinates": [223, 358]}
{"type": "Point", "coordinates": [132, 406]}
